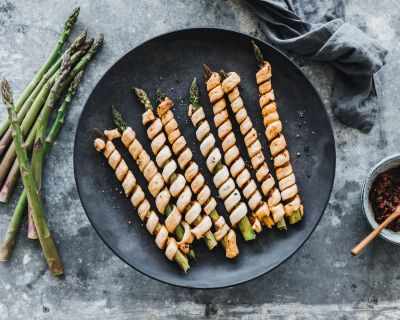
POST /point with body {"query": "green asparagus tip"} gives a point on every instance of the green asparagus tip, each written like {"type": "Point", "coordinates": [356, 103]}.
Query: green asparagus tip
{"type": "Point", "coordinates": [63, 72]}
{"type": "Point", "coordinates": [160, 95]}
{"type": "Point", "coordinates": [6, 92]}
{"type": "Point", "coordinates": [281, 224]}
{"type": "Point", "coordinates": [223, 74]}
{"type": "Point", "coordinates": [117, 119]}
{"type": "Point", "coordinates": [75, 82]}
{"type": "Point", "coordinates": [80, 40]}
{"type": "Point", "coordinates": [194, 94]}
{"type": "Point", "coordinates": [72, 18]}
{"type": "Point", "coordinates": [98, 133]}
{"type": "Point", "coordinates": [143, 98]}
{"type": "Point", "coordinates": [87, 45]}
{"type": "Point", "coordinates": [207, 72]}
{"type": "Point", "coordinates": [97, 43]}
{"type": "Point", "coordinates": [295, 217]}
{"type": "Point", "coordinates": [257, 54]}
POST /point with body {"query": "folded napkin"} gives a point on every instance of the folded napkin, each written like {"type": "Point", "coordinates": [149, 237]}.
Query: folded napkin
{"type": "Point", "coordinates": [315, 30]}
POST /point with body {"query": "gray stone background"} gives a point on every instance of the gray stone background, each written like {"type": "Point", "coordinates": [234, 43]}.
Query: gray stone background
{"type": "Point", "coordinates": [321, 281]}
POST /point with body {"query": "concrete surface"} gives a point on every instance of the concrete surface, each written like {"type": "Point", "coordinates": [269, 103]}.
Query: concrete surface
{"type": "Point", "coordinates": [321, 281]}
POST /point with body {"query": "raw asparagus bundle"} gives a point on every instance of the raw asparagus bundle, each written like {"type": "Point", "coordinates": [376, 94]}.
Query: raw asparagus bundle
{"type": "Point", "coordinates": [141, 204]}
{"type": "Point", "coordinates": [228, 192]}
{"type": "Point", "coordinates": [29, 123]}
{"type": "Point", "coordinates": [158, 190]}
{"type": "Point", "coordinates": [223, 233]}
{"type": "Point", "coordinates": [46, 241]}
{"type": "Point", "coordinates": [232, 156]}
{"type": "Point", "coordinates": [50, 60]}
{"type": "Point", "coordinates": [230, 86]}
{"type": "Point", "coordinates": [47, 79]}
{"type": "Point", "coordinates": [15, 223]}
{"type": "Point", "coordinates": [284, 171]}
{"type": "Point", "coordinates": [178, 185]}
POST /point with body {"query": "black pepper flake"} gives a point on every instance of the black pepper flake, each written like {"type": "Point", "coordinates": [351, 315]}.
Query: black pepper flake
{"type": "Point", "coordinates": [307, 150]}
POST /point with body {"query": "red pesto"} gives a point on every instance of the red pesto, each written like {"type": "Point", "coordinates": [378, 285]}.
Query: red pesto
{"type": "Point", "coordinates": [385, 196]}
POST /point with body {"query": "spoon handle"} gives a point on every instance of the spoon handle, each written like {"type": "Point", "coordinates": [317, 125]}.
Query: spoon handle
{"type": "Point", "coordinates": [365, 242]}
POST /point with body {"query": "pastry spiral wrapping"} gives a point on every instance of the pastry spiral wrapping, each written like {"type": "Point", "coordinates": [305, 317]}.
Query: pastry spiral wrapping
{"type": "Point", "coordinates": [178, 185]}
{"type": "Point", "coordinates": [222, 180]}
{"type": "Point", "coordinates": [232, 156]}
{"type": "Point", "coordinates": [273, 131]}
{"type": "Point", "coordinates": [195, 177]}
{"type": "Point", "coordinates": [156, 184]}
{"type": "Point", "coordinates": [138, 199]}
{"type": "Point", "coordinates": [230, 87]}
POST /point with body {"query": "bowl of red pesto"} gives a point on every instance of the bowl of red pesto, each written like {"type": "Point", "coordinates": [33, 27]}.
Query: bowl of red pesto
{"type": "Point", "coordinates": [381, 196]}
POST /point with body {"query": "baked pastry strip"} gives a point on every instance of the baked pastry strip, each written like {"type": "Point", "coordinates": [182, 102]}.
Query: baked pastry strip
{"type": "Point", "coordinates": [222, 180]}
{"type": "Point", "coordinates": [232, 156]}
{"type": "Point", "coordinates": [230, 86]}
{"type": "Point", "coordinates": [179, 146]}
{"type": "Point", "coordinates": [138, 199]}
{"type": "Point", "coordinates": [179, 188]}
{"type": "Point", "coordinates": [273, 130]}
{"type": "Point", "coordinates": [156, 186]}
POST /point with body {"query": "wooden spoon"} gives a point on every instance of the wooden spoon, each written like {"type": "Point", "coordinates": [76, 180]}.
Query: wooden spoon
{"type": "Point", "coordinates": [365, 242]}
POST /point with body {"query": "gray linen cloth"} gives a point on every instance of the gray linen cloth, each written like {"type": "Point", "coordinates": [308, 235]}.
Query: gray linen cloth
{"type": "Point", "coordinates": [316, 30]}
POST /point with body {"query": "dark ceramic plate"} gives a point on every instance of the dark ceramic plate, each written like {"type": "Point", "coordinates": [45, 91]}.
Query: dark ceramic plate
{"type": "Point", "coordinates": [171, 61]}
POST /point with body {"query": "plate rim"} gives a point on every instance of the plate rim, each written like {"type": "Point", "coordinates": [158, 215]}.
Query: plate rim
{"type": "Point", "coordinates": [169, 33]}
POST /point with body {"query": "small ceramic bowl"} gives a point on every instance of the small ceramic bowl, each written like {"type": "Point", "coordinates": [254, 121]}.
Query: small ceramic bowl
{"type": "Point", "coordinates": [383, 165]}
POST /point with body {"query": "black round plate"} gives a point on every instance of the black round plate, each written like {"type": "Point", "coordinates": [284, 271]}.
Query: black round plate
{"type": "Point", "coordinates": [171, 61]}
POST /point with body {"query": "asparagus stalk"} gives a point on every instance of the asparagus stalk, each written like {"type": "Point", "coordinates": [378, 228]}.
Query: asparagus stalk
{"type": "Point", "coordinates": [209, 237]}
{"type": "Point", "coordinates": [9, 157]}
{"type": "Point", "coordinates": [49, 62]}
{"type": "Point", "coordinates": [244, 224]}
{"type": "Point", "coordinates": [284, 172]}
{"type": "Point", "coordinates": [43, 119]}
{"type": "Point", "coordinates": [179, 230]}
{"type": "Point", "coordinates": [46, 241]}
{"type": "Point", "coordinates": [15, 223]}
{"type": "Point", "coordinates": [76, 45]}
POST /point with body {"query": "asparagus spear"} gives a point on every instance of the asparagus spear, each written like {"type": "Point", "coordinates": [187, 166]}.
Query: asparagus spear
{"type": "Point", "coordinates": [15, 223]}
{"type": "Point", "coordinates": [50, 60]}
{"type": "Point", "coordinates": [40, 99]}
{"type": "Point", "coordinates": [244, 224]}
{"type": "Point", "coordinates": [76, 45]}
{"type": "Point", "coordinates": [284, 172]}
{"type": "Point", "coordinates": [209, 237]}
{"type": "Point", "coordinates": [46, 241]}
{"type": "Point", "coordinates": [37, 155]}
{"type": "Point", "coordinates": [179, 230]}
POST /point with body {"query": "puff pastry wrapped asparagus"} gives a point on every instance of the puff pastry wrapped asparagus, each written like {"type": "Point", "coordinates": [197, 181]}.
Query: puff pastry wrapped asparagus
{"type": "Point", "coordinates": [179, 188]}
{"type": "Point", "coordinates": [230, 87]}
{"type": "Point", "coordinates": [162, 237]}
{"type": "Point", "coordinates": [273, 125]}
{"type": "Point", "coordinates": [223, 181]}
{"type": "Point", "coordinates": [156, 186]}
{"type": "Point", "coordinates": [224, 233]}
{"type": "Point", "coordinates": [232, 157]}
